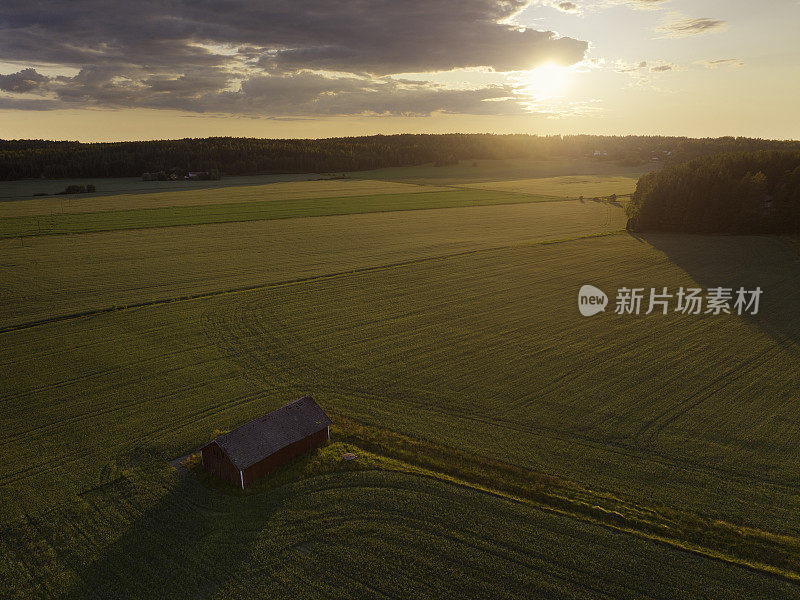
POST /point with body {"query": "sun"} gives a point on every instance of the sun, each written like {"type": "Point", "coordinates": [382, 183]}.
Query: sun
{"type": "Point", "coordinates": [547, 81]}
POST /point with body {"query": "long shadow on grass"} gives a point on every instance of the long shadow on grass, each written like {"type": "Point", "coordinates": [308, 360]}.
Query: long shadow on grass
{"type": "Point", "coordinates": [187, 546]}
{"type": "Point", "coordinates": [768, 262]}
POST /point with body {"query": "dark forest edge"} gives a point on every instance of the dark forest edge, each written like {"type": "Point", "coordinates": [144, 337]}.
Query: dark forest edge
{"type": "Point", "coordinates": [741, 192]}
{"type": "Point", "coordinates": [21, 159]}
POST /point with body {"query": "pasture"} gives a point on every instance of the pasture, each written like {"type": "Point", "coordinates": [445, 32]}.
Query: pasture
{"type": "Point", "coordinates": [455, 325]}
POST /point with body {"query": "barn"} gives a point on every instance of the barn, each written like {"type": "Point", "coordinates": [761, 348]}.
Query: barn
{"type": "Point", "coordinates": [250, 452]}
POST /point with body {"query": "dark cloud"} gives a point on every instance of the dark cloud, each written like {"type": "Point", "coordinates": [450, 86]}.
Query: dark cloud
{"type": "Point", "coordinates": [192, 54]}
{"type": "Point", "coordinates": [27, 80]}
{"type": "Point", "coordinates": [567, 6]}
{"type": "Point", "coordinates": [687, 27]}
{"type": "Point", "coordinates": [279, 95]}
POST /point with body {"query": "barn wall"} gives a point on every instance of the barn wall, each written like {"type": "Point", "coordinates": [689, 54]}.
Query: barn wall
{"type": "Point", "coordinates": [270, 463]}
{"type": "Point", "coordinates": [216, 461]}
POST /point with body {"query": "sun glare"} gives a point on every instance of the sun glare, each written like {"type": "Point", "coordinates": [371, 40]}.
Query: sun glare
{"type": "Point", "coordinates": [546, 81]}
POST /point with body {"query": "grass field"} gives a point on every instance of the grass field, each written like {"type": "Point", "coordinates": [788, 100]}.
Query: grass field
{"type": "Point", "coordinates": [464, 172]}
{"type": "Point", "coordinates": [468, 171]}
{"type": "Point", "coordinates": [342, 533]}
{"type": "Point", "coordinates": [48, 276]}
{"type": "Point", "coordinates": [572, 186]}
{"type": "Point", "coordinates": [457, 326]}
{"type": "Point", "coordinates": [254, 210]}
{"type": "Point", "coordinates": [297, 190]}
{"type": "Point", "coordinates": [106, 186]}
{"type": "Point", "coordinates": [427, 349]}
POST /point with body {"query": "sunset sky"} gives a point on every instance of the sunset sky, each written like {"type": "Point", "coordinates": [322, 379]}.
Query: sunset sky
{"type": "Point", "coordinates": [98, 70]}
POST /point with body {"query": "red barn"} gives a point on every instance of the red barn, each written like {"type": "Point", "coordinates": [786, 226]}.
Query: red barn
{"type": "Point", "coordinates": [253, 450]}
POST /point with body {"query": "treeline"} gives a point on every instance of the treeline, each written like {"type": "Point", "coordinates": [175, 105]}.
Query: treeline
{"type": "Point", "coordinates": [743, 192]}
{"type": "Point", "coordinates": [250, 156]}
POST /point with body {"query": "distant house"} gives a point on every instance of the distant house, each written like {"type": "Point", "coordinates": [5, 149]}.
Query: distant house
{"type": "Point", "coordinates": [250, 452]}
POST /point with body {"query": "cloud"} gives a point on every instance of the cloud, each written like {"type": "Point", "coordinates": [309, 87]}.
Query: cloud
{"type": "Point", "coordinates": [278, 95]}
{"type": "Point", "coordinates": [567, 7]}
{"type": "Point", "coordinates": [684, 27]}
{"type": "Point", "coordinates": [26, 80]}
{"type": "Point", "coordinates": [642, 71]}
{"type": "Point", "coordinates": [722, 62]}
{"type": "Point", "coordinates": [227, 55]}
{"type": "Point", "coordinates": [598, 5]}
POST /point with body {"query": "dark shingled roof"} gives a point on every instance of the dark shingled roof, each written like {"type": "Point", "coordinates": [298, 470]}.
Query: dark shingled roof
{"type": "Point", "coordinates": [253, 441]}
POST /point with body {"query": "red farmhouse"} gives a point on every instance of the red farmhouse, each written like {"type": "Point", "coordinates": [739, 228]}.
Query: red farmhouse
{"type": "Point", "coordinates": [251, 451]}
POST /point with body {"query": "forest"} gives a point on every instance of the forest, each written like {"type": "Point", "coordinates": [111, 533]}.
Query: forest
{"type": "Point", "coordinates": [20, 159]}
{"type": "Point", "coordinates": [742, 192]}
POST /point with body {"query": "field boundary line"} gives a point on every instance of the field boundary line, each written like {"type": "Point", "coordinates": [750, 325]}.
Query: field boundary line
{"type": "Point", "coordinates": [295, 281]}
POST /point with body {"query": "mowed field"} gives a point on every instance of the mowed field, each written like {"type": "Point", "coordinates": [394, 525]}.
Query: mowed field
{"type": "Point", "coordinates": [453, 325]}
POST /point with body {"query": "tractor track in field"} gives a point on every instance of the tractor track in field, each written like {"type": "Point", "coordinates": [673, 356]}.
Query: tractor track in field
{"type": "Point", "coordinates": [249, 339]}
{"type": "Point", "coordinates": [654, 427]}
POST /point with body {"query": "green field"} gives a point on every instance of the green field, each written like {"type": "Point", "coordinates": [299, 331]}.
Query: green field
{"type": "Point", "coordinates": [457, 326]}
{"type": "Point", "coordinates": [47, 276]}
{"type": "Point", "coordinates": [170, 216]}
{"type": "Point", "coordinates": [278, 191]}
{"type": "Point", "coordinates": [502, 170]}
{"type": "Point", "coordinates": [634, 405]}
{"type": "Point", "coordinates": [343, 534]}
{"type": "Point", "coordinates": [26, 188]}
{"type": "Point", "coordinates": [571, 186]}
